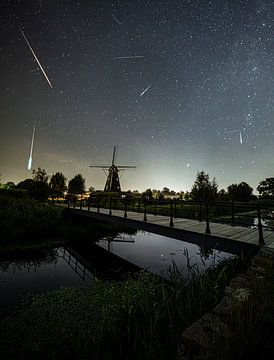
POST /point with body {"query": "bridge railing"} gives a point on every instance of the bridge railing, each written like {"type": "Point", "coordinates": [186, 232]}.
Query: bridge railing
{"type": "Point", "coordinates": [257, 214]}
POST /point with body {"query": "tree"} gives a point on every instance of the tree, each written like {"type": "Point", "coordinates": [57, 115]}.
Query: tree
{"type": "Point", "coordinates": [91, 189]}
{"type": "Point", "coordinates": [76, 185]}
{"type": "Point", "coordinates": [57, 185]}
{"type": "Point", "coordinates": [147, 194]}
{"type": "Point", "coordinates": [203, 189]}
{"type": "Point", "coordinates": [266, 188]}
{"type": "Point", "coordinates": [40, 175]}
{"type": "Point", "coordinates": [8, 185]}
{"type": "Point", "coordinates": [25, 185]}
{"type": "Point", "coordinates": [38, 190]}
{"type": "Point", "coordinates": [223, 195]}
{"type": "Point", "coordinates": [240, 192]}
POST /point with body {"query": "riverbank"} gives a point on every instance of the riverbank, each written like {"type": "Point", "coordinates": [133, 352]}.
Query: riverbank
{"type": "Point", "coordinates": [26, 223]}
{"type": "Point", "coordinates": [241, 326]}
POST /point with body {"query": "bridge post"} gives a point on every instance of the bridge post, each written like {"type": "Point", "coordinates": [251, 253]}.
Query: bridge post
{"type": "Point", "coordinates": [171, 223]}
{"type": "Point", "coordinates": [125, 213]}
{"type": "Point", "coordinates": [155, 206]}
{"type": "Point", "coordinates": [110, 210]}
{"type": "Point", "coordinates": [175, 209]}
{"type": "Point", "coordinates": [74, 202]}
{"type": "Point", "coordinates": [139, 205]}
{"type": "Point", "coordinates": [260, 227]}
{"type": "Point", "coordinates": [232, 214]}
{"type": "Point", "coordinates": [207, 219]}
{"type": "Point", "coordinates": [200, 218]}
{"type": "Point", "coordinates": [81, 203]}
{"type": "Point", "coordinates": [88, 204]}
{"type": "Point", "coordinates": [98, 204]}
{"type": "Point", "coordinates": [145, 210]}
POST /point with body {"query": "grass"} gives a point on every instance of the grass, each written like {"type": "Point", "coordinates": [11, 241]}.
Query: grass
{"type": "Point", "coordinates": [139, 318]}
{"type": "Point", "coordinates": [27, 223]}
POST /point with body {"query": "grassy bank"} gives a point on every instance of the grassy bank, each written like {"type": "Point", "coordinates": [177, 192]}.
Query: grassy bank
{"type": "Point", "coordinates": [27, 223]}
{"type": "Point", "coordinates": [139, 318]}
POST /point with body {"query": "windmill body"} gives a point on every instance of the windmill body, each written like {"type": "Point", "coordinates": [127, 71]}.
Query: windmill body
{"type": "Point", "coordinates": [112, 172]}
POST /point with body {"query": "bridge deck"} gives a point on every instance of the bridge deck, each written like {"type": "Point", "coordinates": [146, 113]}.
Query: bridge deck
{"type": "Point", "coordinates": [183, 228]}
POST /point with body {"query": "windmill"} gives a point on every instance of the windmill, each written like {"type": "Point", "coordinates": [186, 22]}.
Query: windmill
{"type": "Point", "coordinates": [112, 173]}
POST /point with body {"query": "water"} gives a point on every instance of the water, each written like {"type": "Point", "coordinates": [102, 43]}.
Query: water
{"type": "Point", "coordinates": [158, 253]}
{"type": "Point", "coordinates": [37, 272]}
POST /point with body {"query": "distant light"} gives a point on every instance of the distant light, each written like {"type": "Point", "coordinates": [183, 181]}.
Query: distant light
{"type": "Point", "coordinates": [187, 165]}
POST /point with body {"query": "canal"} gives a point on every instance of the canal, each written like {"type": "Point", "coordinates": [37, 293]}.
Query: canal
{"type": "Point", "coordinates": [42, 270]}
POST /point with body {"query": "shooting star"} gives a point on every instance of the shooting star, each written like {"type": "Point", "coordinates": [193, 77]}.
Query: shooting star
{"type": "Point", "coordinates": [129, 57]}
{"type": "Point", "coordinates": [149, 86]}
{"type": "Point", "coordinates": [31, 147]}
{"type": "Point", "coordinates": [33, 53]}
{"type": "Point", "coordinates": [115, 18]}
{"type": "Point", "coordinates": [233, 131]}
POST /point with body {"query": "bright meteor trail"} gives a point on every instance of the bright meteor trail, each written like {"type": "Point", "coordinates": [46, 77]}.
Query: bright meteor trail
{"type": "Point", "coordinates": [129, 57]}
{"type": "Point", "coordinates": [31, 147]}
{"type": "Point", "coordinates": [149, 86]}
{"type": "Point", "coordinates": [33, 53]}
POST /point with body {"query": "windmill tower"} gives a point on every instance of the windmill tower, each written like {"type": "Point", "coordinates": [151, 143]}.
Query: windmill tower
{"type": "Point", "coordinates": [112, 171]}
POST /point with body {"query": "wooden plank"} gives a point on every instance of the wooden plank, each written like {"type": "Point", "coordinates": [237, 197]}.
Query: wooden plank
{"type": "Point", "coordinates": [188, 226]}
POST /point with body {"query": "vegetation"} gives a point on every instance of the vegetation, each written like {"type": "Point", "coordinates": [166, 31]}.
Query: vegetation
{"type": "Point", "coordinates": [57, 185]}
{"type": "Point", "coordinates": [37, 187]}
{"type": "Point", "coordinates": [76, 185]}
{"type": "Point", "coordinates": [22, 217]}
{"type": "Point", "coordinates": [240, 192]}
{"type": "Point", "coordinates": [266, 188]}
{"type": "Point", "coordinates": [203, 189]}
{"type": "Point", "coordinates": [139, 318]}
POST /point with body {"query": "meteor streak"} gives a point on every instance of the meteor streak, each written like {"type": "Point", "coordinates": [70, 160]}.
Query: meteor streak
{"type": "Point", "coordinates": [31, 147]}
{"type": "Point", "coordinates": [115, 18]}
{"type": "Point", "coordinates": [233, 131]}
{"type": "Point", "coordinates": [33, 53]}
{"type": "Point", "coordinates": [129, 57]}
{"type": "Point", "coordinates": [241, 139]}
{"type": "Point", "coordinates": [149, 86]}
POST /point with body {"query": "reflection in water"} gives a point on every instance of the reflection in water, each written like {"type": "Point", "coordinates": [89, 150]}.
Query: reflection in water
{"type": "Point", "coordinates": [28, 259]}
{"type": "Point", "coordinates": [75, 264]}
{"type": "Point", "coordinates": [38, 271]}
{"type": "Point", "coordinates": [159, 254]}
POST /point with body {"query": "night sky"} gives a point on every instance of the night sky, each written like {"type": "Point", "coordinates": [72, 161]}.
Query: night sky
{"type": "Point", "coordinates": [206, 66]}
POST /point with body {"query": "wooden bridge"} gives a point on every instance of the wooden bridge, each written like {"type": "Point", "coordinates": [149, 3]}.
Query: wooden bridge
{"type": "Point", "coordinates": [226, 232]}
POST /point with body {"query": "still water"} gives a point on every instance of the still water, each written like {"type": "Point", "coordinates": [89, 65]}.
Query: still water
{"type": "Point", "coordinates": [38, 271]}
{"type": "Point", "coordinates": [158, 253]}
{"type": "Point", "coordinates": [34, 272]}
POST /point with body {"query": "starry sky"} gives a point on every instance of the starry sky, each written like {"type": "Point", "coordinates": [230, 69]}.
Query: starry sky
{"type": "Point", "coordinates": [177, 86]}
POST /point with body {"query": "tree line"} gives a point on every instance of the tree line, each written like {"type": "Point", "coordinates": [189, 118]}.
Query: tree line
{"type": "Point", "coordinates": [41, 186]}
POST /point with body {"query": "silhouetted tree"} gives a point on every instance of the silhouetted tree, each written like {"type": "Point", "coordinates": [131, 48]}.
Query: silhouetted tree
{"type": "Point", "coordinates": [25, 185]}
{"type": "Point", "coordinates": [204, 189]}
{"type": "Point", "coordinates": [40, 175]}
{"type": "Point", "coordinates": [57, 185]}
{"type": "Point", "coordinates": [240, 192]}
{"type": "Point", "coordinates": [76, 185]}
{"type": "Point", "coordinates": [266, 188]}
{"type": "Point", "coordinates": [147, 194]}
{"type": "Point", "coordinates": [223, 195]}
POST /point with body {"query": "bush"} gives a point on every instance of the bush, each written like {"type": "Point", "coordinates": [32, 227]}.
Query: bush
{"type": "Point", "coordinates": [24, 217]}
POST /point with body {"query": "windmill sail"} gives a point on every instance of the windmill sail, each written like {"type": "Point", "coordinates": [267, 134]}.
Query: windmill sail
{"type": "Point", "coordinates": [113, 180]}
